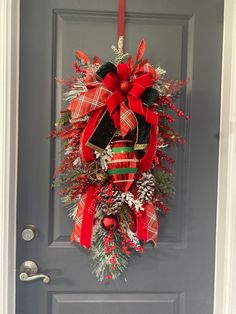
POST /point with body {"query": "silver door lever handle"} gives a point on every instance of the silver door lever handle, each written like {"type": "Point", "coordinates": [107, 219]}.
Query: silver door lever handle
{"type": "Point", "coordinates": [29, 272]}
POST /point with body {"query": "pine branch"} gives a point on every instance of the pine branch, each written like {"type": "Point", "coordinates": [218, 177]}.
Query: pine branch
{"type": "Point", "coordinates": [164, 182]}
{"type": "Point", "coordinates": [64, 119]}
{"type": "Point", "coordinates": [119, 55]}
{"type": "Point", "coordinates": [67, 177]}
{"type": "Point", "coordinates": [109, 260]}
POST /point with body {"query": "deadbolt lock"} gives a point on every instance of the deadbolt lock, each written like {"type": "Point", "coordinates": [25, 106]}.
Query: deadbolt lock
{"type": "Point", "coordinates": [29, 233]}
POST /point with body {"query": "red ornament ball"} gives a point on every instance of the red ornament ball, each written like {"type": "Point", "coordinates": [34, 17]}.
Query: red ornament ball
{"type": "Point", "coordinates": [125, 86]}
{"type": "Point", "coordinates": [110, 223]}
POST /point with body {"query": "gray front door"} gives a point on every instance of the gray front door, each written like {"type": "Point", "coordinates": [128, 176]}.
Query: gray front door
{"type": "Point", "coordinates": [184, 37]}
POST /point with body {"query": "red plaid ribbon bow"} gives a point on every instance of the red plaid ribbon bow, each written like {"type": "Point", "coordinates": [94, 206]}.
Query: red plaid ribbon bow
{"type": "Point", "coordinates": [120, 95]}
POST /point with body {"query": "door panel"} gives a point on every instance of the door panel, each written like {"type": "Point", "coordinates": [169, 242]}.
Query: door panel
{"type": "Point", "coordinates": [185, 38]}
{"type": "Point", "coordinates": [119, 303]}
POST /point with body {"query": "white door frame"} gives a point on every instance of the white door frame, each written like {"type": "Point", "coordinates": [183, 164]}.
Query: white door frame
{"type": "Point", "coordinates": [225, 264]}
{"type": "Point", "coordinates": [225, 270]}
{"type": "Point", "coordinates": [9, 90]}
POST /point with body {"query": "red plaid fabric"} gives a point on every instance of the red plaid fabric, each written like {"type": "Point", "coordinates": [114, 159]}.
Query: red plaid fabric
{"type": "Point", "coordinates": [152, 223]}
{"type": "Point", "coordinates": [96, 98]}
{"type": "Point", "coordinates": [128, 121]}
{"type": "Point", "coordinates": [75, 236]}
{"type": "Point", "coordinates": [88, 101]}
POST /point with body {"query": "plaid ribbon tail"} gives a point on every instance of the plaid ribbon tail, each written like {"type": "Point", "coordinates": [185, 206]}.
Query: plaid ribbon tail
{"type": "Point", "coordinates": [83, 224]}
{"type": "Point", "coordinates": [152, 223]}
{"type": "Point", "coordinates": [76, 233]}
{"type": "Point", "coordinates": [128, 121]}
{"type": "Point", "coordinates": [147, 224]}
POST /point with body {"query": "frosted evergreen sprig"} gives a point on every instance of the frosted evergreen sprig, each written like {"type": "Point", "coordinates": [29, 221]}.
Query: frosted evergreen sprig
{"type": "Point", "coordinates": [78, 87]}
{"type": "Point", "coordinates": [119, 55]}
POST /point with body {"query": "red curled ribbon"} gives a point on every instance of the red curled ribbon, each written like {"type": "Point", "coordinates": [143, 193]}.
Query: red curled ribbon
{"type": "Point", "coordinates": [146, 161]}
{"type": "Point", "coordinates": [86, 153]}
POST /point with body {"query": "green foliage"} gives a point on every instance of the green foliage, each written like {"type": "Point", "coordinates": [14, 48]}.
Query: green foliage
{"type": "Point", "coordinates": [67, 177]}
{"type": "Point", "coordinates": [64, 119]}
{"type": "Point", "coordinates": [164, 182]}
{"type": "Point", "coordinates": [124, 215]}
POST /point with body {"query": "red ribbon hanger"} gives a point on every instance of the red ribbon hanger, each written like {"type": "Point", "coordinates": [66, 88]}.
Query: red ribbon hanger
{"type": "Point", "coordinates": [121, 19]}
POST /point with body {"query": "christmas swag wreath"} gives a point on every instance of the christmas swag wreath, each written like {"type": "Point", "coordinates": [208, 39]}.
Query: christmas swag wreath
{"type": "Point", "coordinates": [115, 176]}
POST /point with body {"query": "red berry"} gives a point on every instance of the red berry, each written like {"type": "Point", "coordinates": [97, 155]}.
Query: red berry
{"type": "Point", "coordinates": [109, 277]}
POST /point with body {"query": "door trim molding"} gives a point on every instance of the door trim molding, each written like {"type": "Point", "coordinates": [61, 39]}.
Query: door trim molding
{"type": "Point", "coordinates": [9, 86]}
{"type": "Point", "coordinates": [225, 272]}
